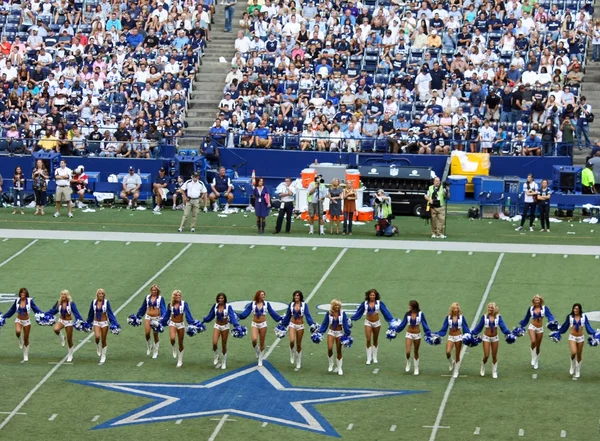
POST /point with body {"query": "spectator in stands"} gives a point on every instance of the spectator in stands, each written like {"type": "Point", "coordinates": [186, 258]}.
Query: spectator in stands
{"type": "Point", "coordinates": [262, 136]}
{"type": "Point", "coordinates": [568, 131]}
{"type": "Point", "coordinates": [131, 187]}
{"type": "Point", "coordinates": [533, 145]}
{"type": "Point", "coordinates": [221, 187]}
{"type": "Point", "coordinates": [583, 110]}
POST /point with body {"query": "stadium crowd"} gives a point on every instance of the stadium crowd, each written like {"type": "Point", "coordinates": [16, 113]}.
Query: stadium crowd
{"type": "Point", "coordinates": [104, 78]}
{"type": "Point", "coordinates": [420, 77]}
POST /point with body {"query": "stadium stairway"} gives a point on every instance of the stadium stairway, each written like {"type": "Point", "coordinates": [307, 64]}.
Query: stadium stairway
{"type": "Point", "coordinates": [210, 81]}
{"type": "Point", "coordinates": [591, 89]}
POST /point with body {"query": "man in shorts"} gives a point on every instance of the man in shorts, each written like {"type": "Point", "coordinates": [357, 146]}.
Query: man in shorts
{"type": "Point", "coordinates": [63, 176]}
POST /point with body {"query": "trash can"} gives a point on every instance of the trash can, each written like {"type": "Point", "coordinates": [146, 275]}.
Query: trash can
{"type": "Point", "coordinates": [458, 186]}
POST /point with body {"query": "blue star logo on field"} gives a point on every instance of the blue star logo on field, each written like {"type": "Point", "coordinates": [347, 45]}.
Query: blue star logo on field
{"type": "Point", "coordinates": [258, 393]}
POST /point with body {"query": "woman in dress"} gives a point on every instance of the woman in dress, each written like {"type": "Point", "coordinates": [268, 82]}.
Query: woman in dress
{"type": "Point", "coordinates": [294, 322]}
{"type": "Point", "coordinates": [262, 204]}
{"type": "Point", "coordinates": [489, 323]}
{"type": "Point", "coordinates": [22, 307]}
{"type": "Point", "coordinates": [67, 310]}
{"type": "Point", "coordinates": [536, 313]}
{"type": "Point", "coordinates": [349, 197]}
{"type": "Point", "coordinates": [258, 306]}
{"type": "Point", "coordinates": [101, 316]}
{"type": "Point", "coordinates": [153, 308]}
{"type": "Point", "coordinates": [413, 318]}
{"type": "Point", "coordinates": [223, 315]}
{"type": "Point", "coordinates": [372, 305]}
{"type": "Point", "coordinates": [178, 310]}
{"type": "Point", "coordinates": [18, 189]}
{"type": "Point", "coordinates": [455, 325]}
{"type": "Point", "coordinates": [335, 195]}
{"type": "Point", "coordinates": [337, 322]}
{"type": "Point", "coordinates": [577, 321]}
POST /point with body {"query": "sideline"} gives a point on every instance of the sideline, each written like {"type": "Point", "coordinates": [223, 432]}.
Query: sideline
{"type": "Point", "coordinates": [414, 245]}
{"type": "Point", "coordinates": [85, 340]}
{"type": "Point", "coordinates": [486, 293]}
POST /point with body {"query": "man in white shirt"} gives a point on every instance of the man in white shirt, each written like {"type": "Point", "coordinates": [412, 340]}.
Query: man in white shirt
{"type": "Point", "coordinates": [192, 191]}
{"type": "Point", "coordinates": [131, 187]}
{"type": "Point", "coordinates": [161, 13]}
{"type": "Point", "coordinates": [423, 84]}
{"type": "Point", "coordinates": [292, 27]}
{"type": "Point", "coordinates": [63, 177]}
{"type": "Point", "coordinates": [286, 195]}
{"type": "Point", "coordinates": [9, 70]}
{"type": "Point", "coordinates": [486, 137]}
{"type": "Point", "coordinates": [242, 43]}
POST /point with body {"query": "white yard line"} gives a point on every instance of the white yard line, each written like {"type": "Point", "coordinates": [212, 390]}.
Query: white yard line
{"type": "Point", "coordinates": [18, 253]}
{"type": "Point", "coordinates": [414, 245]}
{"type": "Point", "coordinates": [63, 361]}
{"type": "Point", "coordinates": [218, 428]}
{"type": "Point", "coordinates": [486, 293]}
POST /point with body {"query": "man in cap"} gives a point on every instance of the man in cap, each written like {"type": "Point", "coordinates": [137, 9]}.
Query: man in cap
{"type": "Point", "coordinates": [533, 145]}
{"type": "Point", "coordinates": [160, 189]}
{"type": "Point", "coordinates": [192, 191]}
{"type": "Point", "coordinates": [131, 187]}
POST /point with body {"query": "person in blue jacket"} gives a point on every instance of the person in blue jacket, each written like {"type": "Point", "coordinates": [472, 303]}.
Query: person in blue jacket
{"type": "Point", "coordinates": [258, 306]}
{"type": "Point", "coordinates": [153, 308]}
{"type": "Point", "coordinates": [23, 307]}
{"type": "Point", "coordinates": [294, 322]}
{"type": "Point", "coordinates": [412, 321]}
{"type": "Point", "coordinates": [337, 322]}
{"type": "Point", "coordinates": [224, 316]}
{"type": "Point", "coordinates": [101, 316]}
{"type": "Point", "coordinates": [455, 325]}
{"type": "Point", "coordinates": [576, 321]}
{"type": "Point", "coordinates": [536, 313]}
{"type": "Point", "coordinates": [177, 310]}
{"type": "Point", "coordinates": [490, 322]}
{"type": "Point", "coordinates": [372, 306]}
{"type": "Point", "coordinates": [67, 310]}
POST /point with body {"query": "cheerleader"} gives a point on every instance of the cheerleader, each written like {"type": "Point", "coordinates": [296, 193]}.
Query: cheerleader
{"type": "Point", "coordinates": [490, 338]}
{"type": "Point", "coordinates": [337, 322]}
{"type": "Point", "coordinates": [22, 306]}
{"type": "Point", "coordinates": [576, 320]}
{"type": "Point", "coordinates": [66, 308]}
{"type": "Point", "coordinates": [174, 318]}
{"type": "Point", "coordinates": [294, 323]}
{"type": "Point", "coordinates": [223, 315]}
{"type": "Point", "coordinates": [372, 305]}
{"type": "Point", "coordinates": [454, 323]}
{"type": "Point", "coordinates": [101, 317]}
{"type": "Point", "coordinates": [413, 318]}
{"type": "Point", "coordinates": [259, 321]}
{"type": "Point", "coordinates": [153, 308]}
{"type": "Point", "coordinates": [536, 312]}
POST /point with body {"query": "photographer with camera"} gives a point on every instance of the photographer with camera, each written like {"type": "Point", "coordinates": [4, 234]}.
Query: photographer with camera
{"type": "Point", "coordinates": [436, 197]}
{"type": "Point", "coordinates": [317, 192]}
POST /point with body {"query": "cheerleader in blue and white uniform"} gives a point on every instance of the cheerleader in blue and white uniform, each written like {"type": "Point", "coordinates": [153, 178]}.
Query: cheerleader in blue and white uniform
{"type": "Point", "coordinates": [23, 307]}
{"type": "Point", "coordinates": [294, 322]}
{"type": "Point", "coordinates": [177, 310]}
{"type": "Point", "coordinates": [153, 308]}
{"type": "Point", "coordinates": [413, 319]}
{"type": "Point", "coordinates": [258, 306]}
{"type": "Point", "coordinates": [101, 316]}
{"type": "Point", "coordinates": [576, 321]}
{"type": "Point", "coordinates": [224, 316]}
{"type": "Point", "coordinates": [490, 322]}
{"type": "Point", "coordinates": [336, 321]}
{"type": "Point", "coordinates": [455, 325]}
{"type": "Point", "coordinates": [536, 312]}
{"type": "Point", "coordinates": [372, 306]}
{"type": "Point", "coordinates": [67, 310]}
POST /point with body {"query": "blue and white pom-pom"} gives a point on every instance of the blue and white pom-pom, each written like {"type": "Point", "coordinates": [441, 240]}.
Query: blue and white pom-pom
{"type": "Point", "coordinates": [191, 330]}
{"type": "Point", "coordinates": [433, 339]}
{"type": "Point", "coordinates": [471, 340]}
{"type": "Point", "coordinates": [44, 319]}
{"type": "Point", "coordinates": [317, 337]}
{"type": "Point", "coordinates": [395, 324]}
{"type": "Point", "coordinates": [134, 320]}
{"type": "Point", "coordinates": [314, 328]}
{"type": "Point", "coordinates": [115, 329]}
{"type": "Point", "coordinates": [597, 335]}
{"type": "Point", "coordinates": [195, 328]}
{"type": "Point", "coordinates": [2, 320]}
{"type": "Point", "coordinates": [346, 341]}
{"type": "Point", "coordinates": [156, 326]}
{"type": "Point", "coordinates": [510, 338]}
{"type": "Point", "coordinates": [555, 337]}
{"type": "Point", "coordinates": [391, 334]}
{"type": "Point", "coordinates": [280, 331]}
{"type": "Point", "coordinates": [553, 326]}
{"type": "Point", "coordinates": [239, 331]}
{"type": "Point", "coordinates": [82, 326]}
{"type": "Point", "coordinates": [593, 342]}
{"type": "Point", "coordinates": [519, 331]}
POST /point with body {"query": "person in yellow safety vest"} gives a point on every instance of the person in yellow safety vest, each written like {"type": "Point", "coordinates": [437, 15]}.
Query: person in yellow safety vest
{"type": "Point", "coordinates": [436, 200]}
{"type": "Point", "coordinates": [587, 179]}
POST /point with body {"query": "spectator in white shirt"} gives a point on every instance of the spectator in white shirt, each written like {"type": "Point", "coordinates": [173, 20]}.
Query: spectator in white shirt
{"type": "Point", "coordinates": [242, 43]}
{"type": "Point", "coordinates": [161, 13]}
{"type": "Point", "coordinates": [149, 94]}
{"type": "Point", "coordinates": [172, 67]}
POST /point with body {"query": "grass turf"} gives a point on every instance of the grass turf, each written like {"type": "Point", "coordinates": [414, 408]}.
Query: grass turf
{"type": "Point", "coordinates": [542, 407]}
{"type": "Point", "coordinates": [459, 228]}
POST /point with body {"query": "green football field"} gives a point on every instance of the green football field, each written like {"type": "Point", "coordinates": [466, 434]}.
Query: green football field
{"type": "Point", "coordinates": [47, 396]}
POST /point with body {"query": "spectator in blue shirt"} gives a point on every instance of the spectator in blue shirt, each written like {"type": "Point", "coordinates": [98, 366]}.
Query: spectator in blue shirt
{"type": "Point", "coordinates": [533, 145]}
{"type": "Point", "coordinates": [134, 38]}
{"type": "Point", "coordinates": [217, 134]}
{"type": "Point", "coordinates": [262, 136]}
{"type": "Point", "coordinates": [113, 21]}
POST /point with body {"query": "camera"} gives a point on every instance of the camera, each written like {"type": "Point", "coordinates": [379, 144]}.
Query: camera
{"type": "Point", "coordinates": [319, 179]}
